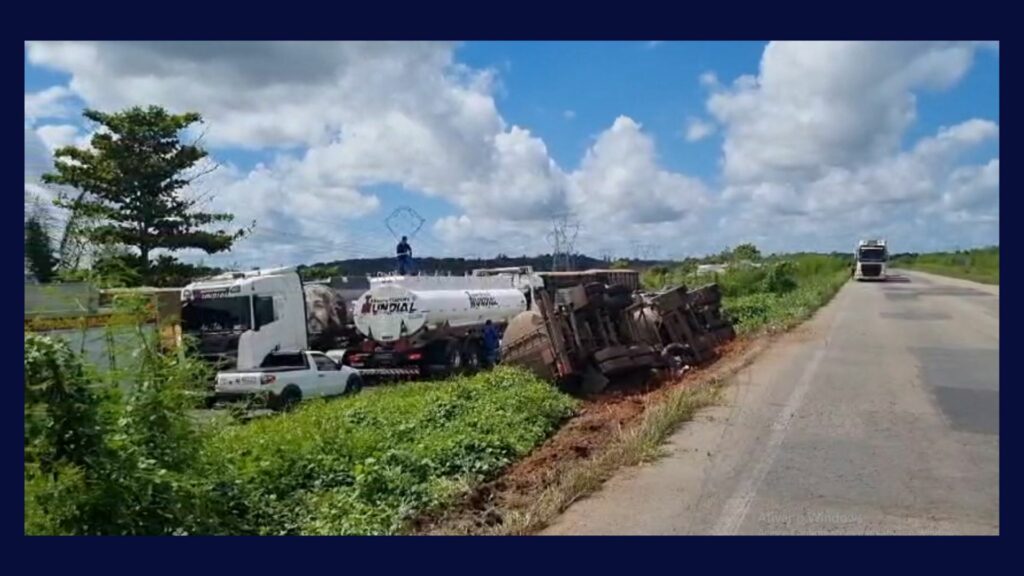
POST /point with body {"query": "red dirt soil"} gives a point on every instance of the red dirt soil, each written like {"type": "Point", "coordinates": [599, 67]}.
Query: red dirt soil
{"type": "Point", "coordinates": [596, 424]}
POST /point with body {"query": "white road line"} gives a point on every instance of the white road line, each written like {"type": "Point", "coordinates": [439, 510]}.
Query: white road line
{"type": "Point", "coordinates": [735, 509]}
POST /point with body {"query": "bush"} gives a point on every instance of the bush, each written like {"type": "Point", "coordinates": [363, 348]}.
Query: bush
{"type": "Point", "coordinates": [799, 290]}
{"type": "Point", "coordinates": [980, 265]}
{"type": "Point", "coordinates": [368, 464]}
{"type": "Point", "coordinates": [61, 411]}
{"type": "Point", "coordinates": [779, 278]}
{"type": "Point", "coordinates": [102, 461]}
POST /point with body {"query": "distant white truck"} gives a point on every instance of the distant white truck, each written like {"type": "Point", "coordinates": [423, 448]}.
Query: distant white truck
{"type": "Point", "coordinates": [872, 260]}
{"type": "Point", "coordinates": [287, 378]}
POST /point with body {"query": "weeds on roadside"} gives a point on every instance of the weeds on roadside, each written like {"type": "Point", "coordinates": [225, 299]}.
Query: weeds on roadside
{"type": "Point", "coordinates": [979, 265]}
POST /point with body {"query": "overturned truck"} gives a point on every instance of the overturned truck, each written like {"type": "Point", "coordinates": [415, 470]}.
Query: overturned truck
{"type": "Point", "coordinates": [588, 328]}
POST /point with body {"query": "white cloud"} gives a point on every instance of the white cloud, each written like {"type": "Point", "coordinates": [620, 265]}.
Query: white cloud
{"type": "Point", "coordinates": [890, 195]}
{"type": "Point", "coordinates": [59, 135]}
{"type": "Point", "coordinates": [49, 103]}
{"type": "Point", "coordinates": [620, 180]}
{"type": "Point", "coordinates": [486, 235]}
{"type": "Point", "coordinates": [973, 188]}
{"type": "Point", "coordinates": [361, 114]}
{"type": "Point", "coordinates": [709, 79]}
{"type": "Point", "coordinates": [346, 115]}
{"type": "Point", "coordinates": [816, 105]}
{"type": "Point", "coordinates": [38, 160]}
{"type": "Point", "coordinates": [697, 129]}
{"type": "Point", "coordinates": [812, 146]}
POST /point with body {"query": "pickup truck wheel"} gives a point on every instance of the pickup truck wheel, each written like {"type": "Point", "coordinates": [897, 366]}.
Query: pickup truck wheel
{"type": "Point", "coordinates": [288, 398]}
{"type": "Point", "coordinates": [354, 384]}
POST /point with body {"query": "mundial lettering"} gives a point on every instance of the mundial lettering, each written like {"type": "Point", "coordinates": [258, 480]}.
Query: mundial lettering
{"type": "Point", "coordinates": [394, 305]}
{"type": "Point", "coordinates": [481, 300]}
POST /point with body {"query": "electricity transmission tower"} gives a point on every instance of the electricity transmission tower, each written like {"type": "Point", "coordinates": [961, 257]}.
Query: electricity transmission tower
{"type": "Point", "coordinates": [564, 230]}
{"type": "Point", "coordinates": [643, 251]}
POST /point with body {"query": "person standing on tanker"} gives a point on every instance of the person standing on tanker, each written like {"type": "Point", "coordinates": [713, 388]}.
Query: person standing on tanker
{"type": "Point", "coordinates": [404, 252]}
{"type": "Point", "coordinates": [491, 343]}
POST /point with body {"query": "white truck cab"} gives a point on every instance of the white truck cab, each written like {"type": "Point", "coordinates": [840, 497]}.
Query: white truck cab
{"type": "Point", "coordinates": [237, 318]}
{"type": "Point", "coordinates": [872, 260]}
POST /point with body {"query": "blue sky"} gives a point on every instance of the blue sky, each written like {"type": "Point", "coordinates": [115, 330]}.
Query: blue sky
{"type": "Point", "coordinates": [487, 140]}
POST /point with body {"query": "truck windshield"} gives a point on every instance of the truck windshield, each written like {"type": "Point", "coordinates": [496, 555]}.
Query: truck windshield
{"type": "Point", "coordinates": [872, 255]}
{"type": "Point", "coordinates": [216, 315]}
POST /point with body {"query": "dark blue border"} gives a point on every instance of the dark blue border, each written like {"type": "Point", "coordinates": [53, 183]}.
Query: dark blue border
{"type": "Point", "coordinates": [632, 21]}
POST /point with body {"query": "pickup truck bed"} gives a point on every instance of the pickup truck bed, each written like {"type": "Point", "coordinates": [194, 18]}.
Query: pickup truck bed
{"type": "Point", "coordinates": [281, 383]}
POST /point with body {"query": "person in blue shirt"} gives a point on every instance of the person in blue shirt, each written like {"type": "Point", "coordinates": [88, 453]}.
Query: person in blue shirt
{"type": "Point", "coordinates": [490, 344]}
{"type": "Point", "coordinates": [404, 252]}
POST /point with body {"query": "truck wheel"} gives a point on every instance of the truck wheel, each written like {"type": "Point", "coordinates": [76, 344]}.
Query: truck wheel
{"type": "Point", "coordinates": [471, 356]}
{"type": "Point", "coordinates": [616, 366]}
{"type": "Point", "coordinates": [354, 384]}
{"type": "Point", "coordinates": [454, 359]}
{"type": "Point", "coordinates": [605, 354]}
{"type": "Point", "coordinates": [288, 398]}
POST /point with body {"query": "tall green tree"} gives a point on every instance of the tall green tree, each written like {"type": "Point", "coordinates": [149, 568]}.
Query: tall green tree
{"type": "Point", "coordinates": [38, 249]}
{"type": "Point", "coordinates": [130, 186]}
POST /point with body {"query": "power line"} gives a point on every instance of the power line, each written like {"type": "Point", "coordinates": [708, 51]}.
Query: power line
{"type": "Point", "coordinates": [404, 222]}
{"type": "Point", "coordinates": [643, 251]}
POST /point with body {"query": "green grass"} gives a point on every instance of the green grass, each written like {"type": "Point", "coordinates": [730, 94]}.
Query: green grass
{"type": "Point", "coordinates": [101, 460]}
{"type": "Point", "coordinates": [979, 265]}
{"type": "Point", "coordinates": [633, 445]}
{"type": "Point", "coordinates": [371, 463]}
{"type": "Point", "coordinates": [781, 292]}
{"type": "Point", "coordinates": [779, 311]}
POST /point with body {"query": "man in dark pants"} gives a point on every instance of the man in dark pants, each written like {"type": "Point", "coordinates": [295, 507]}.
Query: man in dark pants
{"type": "Point", "coordinates": [404, 252]}
{"type": "Point", "coordinates": [490, 344]}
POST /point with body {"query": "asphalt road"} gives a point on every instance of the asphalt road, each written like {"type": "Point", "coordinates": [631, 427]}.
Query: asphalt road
{"type": "Point", "coordinates": [879, 416]}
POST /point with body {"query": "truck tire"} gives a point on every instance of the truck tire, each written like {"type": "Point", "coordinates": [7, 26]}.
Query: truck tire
{"type": "Point", "coordinates": [616, 366]}
{"type": "Point", "coordinates": [453, 358]}
{"type": "Point", "coordinates": [354, 384]}
{"type": "Point", "coordinates": [677, 353]}
{"type": "Point", "coordinates": [287, 399]}
{"type": "Point", "coordinates": [471, 356]}
{"type": "Point", "coordinates": [606, 354]}
{"type": "Point", "coordinates": [648, 360]}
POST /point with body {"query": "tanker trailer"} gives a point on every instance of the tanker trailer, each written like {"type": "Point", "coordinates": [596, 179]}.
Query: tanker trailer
{"type": "Point", "coordinates": [588, 334]}
{"type": "Point", "coordinates": [430, 326]}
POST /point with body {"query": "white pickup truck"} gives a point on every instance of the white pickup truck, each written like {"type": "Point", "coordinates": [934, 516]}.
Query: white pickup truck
{"type": "Point", "coordinates": [287, 378]}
